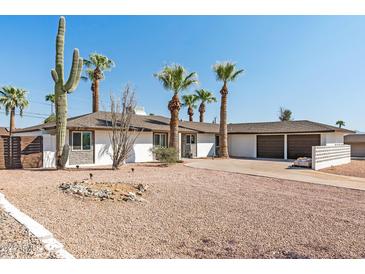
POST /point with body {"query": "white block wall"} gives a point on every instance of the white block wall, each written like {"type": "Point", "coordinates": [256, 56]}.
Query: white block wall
{"type": "Point", "coordinates": [331, 155]}
{"type": "Point", "coordinates": [242, 145]}
{"type": "Point", "coordinates": [206, 145]}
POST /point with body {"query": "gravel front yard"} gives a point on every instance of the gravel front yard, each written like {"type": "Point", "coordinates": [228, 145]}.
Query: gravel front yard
{"type": "Point", "coordinates": [16, 242]}
{"type": "Point", "coordinates": [195, 213]}
{"type": "Point", "coordinates": [356, 168]}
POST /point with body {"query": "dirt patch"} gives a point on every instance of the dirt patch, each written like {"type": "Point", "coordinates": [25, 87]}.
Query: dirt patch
{"type": "Point", "coordinates": [356, 168]}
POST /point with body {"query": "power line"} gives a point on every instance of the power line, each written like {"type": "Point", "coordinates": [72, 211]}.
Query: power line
{"type": "Point", "coordinates": [30, 114]}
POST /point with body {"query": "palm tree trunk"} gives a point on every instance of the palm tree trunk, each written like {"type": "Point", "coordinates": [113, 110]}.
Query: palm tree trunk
{"type": "Point", "coordinates": [190, 113]}
{"type": "Point", "coordinates": [98, 75]}
{"type": "Point", "coordinates": [12, 121]}
{"type": "Point", "coordinates": [201, 111]}
{"type": "Point", "coordinates": [174, 107]}
{"type": "Point", "coordinates": [223, 123]}
{"type": "Point", "coordinates": [95, 90]}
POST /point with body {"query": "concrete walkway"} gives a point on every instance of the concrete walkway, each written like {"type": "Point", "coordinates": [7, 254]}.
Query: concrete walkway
{"type": "Point", "coordinates": [278, 169]}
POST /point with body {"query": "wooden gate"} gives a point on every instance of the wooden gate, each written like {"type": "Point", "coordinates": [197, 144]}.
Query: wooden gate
{"type": "Point", "coordinates": [21, 152]}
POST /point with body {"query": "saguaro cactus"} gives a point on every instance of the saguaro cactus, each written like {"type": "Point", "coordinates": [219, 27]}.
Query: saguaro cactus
{"type": "Point", "coordinates": [62, 89]}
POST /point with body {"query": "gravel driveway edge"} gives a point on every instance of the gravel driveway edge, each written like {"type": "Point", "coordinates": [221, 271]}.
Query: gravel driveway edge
{"type": "Point", "coordinates": [45, 236]}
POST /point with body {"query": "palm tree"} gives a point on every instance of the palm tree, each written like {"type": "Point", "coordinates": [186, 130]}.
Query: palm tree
{"type": "Point", "coordinates": [51, 98]}
{"type": "Point", "coordinates": [176, 79]}
{"type": "Point", "coordinates": [225, 72]}
{"type": "Point", "coordinates": [189, 101]}
{"type": "Point", "coordinates": [96, 66]}
{"type": "Point", "coordinates": [285, 114]}
{"type": "Point", "coordinates": [340, 123]}
{"type": "Point", "coordinates": [12, 98]}
{"type": "Point", "coordinates": [204, 96]}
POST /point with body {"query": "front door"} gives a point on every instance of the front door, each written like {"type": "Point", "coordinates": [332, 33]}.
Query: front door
{"type": "Point", "coordinates": [188, 149]}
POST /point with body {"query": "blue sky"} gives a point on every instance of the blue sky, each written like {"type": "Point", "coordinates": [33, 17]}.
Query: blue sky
{"type": "Point", "coordinates": [313, 65]}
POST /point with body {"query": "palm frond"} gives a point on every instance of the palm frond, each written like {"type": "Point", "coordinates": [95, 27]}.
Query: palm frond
{"type": "Point", "coordinates": [189, 100]}
{"type": "Point", "coordinates": [12, 98]}
{"type": "Point", "coordinates": [176, 78]}
{"type": "Point", "coordinates": [226, 71]}
{"type": "Point", "coordinates": [205, 96]}
{"type": "Point", "coordinates": [235, 74]}
{"type": "Point", "coordinates": [50, 98]}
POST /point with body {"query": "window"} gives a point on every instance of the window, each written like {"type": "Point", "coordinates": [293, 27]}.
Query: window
{"type": "Point", "coordinates": [81, 140]}
{"type": "Point", "coordinates": [160, 139]}
{"type": "Point", "coordinates": [190, 139]}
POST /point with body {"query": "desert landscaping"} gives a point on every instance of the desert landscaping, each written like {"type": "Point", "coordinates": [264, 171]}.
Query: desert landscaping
{"type": "Point", "coordinates": [356, 168]}
{"type": "Point", "coordinates": [193, 213]}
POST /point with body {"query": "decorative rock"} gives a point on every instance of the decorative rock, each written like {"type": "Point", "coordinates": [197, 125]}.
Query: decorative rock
{"type": "Point", "coordinates": [104, 191]}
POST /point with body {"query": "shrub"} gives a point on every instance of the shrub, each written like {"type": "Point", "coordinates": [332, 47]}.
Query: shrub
{"type": "Point", "coordinates": [166, 155]}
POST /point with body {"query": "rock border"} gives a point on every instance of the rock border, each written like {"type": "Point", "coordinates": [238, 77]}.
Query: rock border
{"type": "Point", "coordinates": [39, 231]}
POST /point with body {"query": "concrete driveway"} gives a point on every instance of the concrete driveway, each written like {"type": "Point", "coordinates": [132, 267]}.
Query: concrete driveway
{"type": "Point", "coordinates": [278, 169]}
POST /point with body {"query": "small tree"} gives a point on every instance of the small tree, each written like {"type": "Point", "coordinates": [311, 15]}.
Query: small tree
{"type": "Point", "coordinates": [285, 114]}
{"type": "Point", "coordinates": [123, 135]}
{"type": "Point", "coordinates": [340, 123]}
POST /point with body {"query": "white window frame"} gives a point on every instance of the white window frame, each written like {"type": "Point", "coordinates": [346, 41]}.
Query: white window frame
{"type": "Point", "coordinates": [82, 145]}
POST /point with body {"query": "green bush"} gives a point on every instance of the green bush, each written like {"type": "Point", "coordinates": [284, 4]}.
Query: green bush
{"type": "Point", "coordinates": [166, 155]}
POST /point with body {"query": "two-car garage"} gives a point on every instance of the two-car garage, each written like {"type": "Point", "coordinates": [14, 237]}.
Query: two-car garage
{"type": "Point", "coordinates": [298, 145]}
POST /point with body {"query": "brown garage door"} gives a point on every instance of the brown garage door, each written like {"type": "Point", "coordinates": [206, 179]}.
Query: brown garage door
{"type": "Point", "coordinates": [270, 146]}
{"type": "Point", "coordinates": [301, 145]}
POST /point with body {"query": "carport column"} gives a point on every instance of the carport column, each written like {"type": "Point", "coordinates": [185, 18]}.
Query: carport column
{"type": "Point", "coordinates": [285, 146]}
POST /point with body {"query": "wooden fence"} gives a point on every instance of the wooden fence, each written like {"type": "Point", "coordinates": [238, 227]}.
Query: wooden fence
{"type": "Point", "coordinates": [21, 152]}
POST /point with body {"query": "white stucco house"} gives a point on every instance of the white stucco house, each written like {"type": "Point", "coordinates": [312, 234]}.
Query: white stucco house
{"type": "Point", "coordinates": [89, 142]}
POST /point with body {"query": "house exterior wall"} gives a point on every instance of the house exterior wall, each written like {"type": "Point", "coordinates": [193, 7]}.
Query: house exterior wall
{"type": "Point", "coordinates": [242, 145]}
{"type": "Point", "coordinates": [205, 145]}
{"type": "Point", "coordinates": [357, 149]}
{"type": "Point", "coordinates": [81, 157]}
{"type": "Point", "coordinates": [239, 145]}
{"type": "Point", "coordinates": [49, 151]}
{"type": "Point", "coordinates": [332, 138]}
{"type": "Point", "coordinates": [141, 150]}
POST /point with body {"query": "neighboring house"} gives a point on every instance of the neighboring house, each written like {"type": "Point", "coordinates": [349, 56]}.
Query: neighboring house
{"type": "Point", "coordinates": [88, 137]}
{"type": "Point", "coordinates": [357, 142]}
{"type": "Point", "coordinates": [4, 131]}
